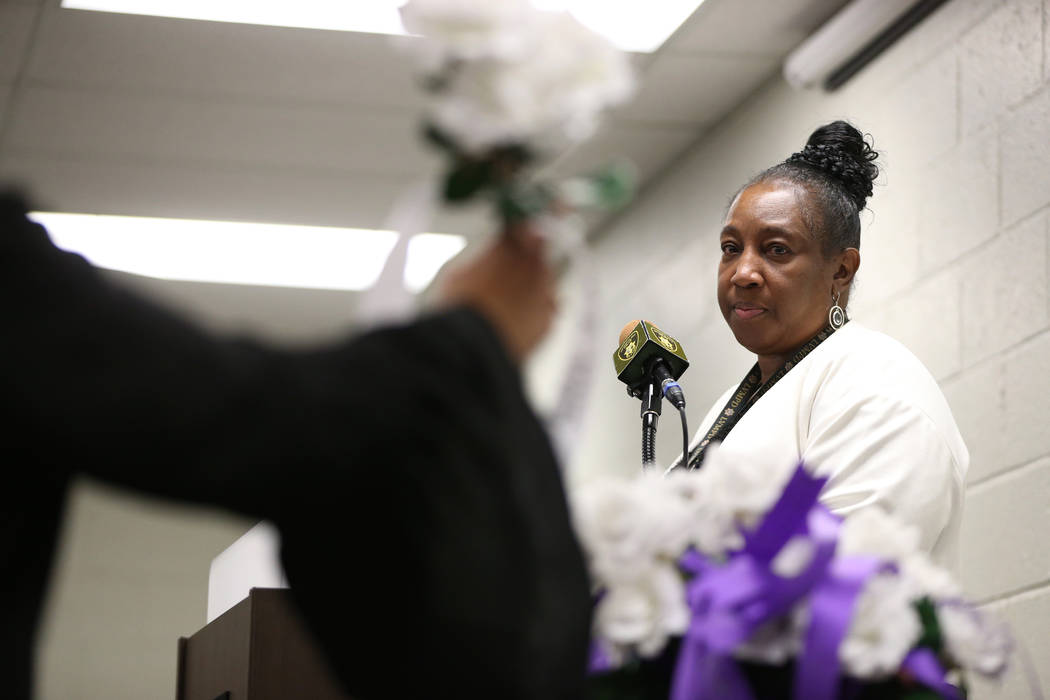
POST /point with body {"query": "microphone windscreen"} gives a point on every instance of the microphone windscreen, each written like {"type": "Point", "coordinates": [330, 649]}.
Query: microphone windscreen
{"type": "Point", "coordinates": [627, 331]}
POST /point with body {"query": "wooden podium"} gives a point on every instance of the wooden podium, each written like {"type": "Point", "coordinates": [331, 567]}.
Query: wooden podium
{"type": "Point", "coordinates": [256, 650]}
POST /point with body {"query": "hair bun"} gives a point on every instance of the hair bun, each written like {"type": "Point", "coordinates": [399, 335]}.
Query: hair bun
{"type": "Point", "coordinates": [844, 155]}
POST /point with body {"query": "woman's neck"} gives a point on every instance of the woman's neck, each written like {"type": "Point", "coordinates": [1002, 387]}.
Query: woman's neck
{"type": "Point", "coordinates": [769, 364]}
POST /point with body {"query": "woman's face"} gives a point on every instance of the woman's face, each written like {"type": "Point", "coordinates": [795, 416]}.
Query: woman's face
{"type": "Point", "coordinates": [774, 284]}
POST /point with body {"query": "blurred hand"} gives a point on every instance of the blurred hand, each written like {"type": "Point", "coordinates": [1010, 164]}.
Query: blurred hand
{"type": "Point", "coordinates": [511, 284]}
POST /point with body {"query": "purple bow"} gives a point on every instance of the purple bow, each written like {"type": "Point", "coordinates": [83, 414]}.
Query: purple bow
{"type": "Point", "coordinates": [730, 602]}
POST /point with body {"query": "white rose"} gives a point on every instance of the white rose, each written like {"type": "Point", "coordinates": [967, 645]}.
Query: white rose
{"type": "Point", "coordinates": [872, 531]}
{"type": "Point", "coordinates": [744, 491]}
{"type": "Point", "coordinates": [551, 97]}
{"type": "Point", "coordinates": [884, 628]}
{"type": "Point", "coordinates": [468, 29]}
{"type": "Point", "coordinates": [625, 615]}
{"type": "Point", "coordinates": [973, 640]}
{"type": "Point", "coordinates": [615, 525]}
{"type": "Point", "coordinates": [671, 513]}
{"type": "Point", "coordinates": [642, 615]}
{"type": "Point", "coordinates": [709, 527]}
{"type": "Point", "coordinates": [928, 578]}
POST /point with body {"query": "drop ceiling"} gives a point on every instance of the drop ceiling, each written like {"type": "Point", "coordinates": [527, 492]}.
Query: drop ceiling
{"type": "Point", "coordinates": [150, 116]}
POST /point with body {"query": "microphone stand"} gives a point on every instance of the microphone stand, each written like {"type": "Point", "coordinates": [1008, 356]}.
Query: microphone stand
{"type": "Point", "coordinates": [652, 399]}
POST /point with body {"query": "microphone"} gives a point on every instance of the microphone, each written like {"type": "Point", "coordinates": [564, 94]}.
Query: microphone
{"type": "Point", "coordinates": [648, 355]}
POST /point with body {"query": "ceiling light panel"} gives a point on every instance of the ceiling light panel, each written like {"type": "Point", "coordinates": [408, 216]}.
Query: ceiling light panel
{"type": "Point", "coordinates": [630, 25]}
{"type": "Point", "coordinates": [313, 257]}
{"type": "Point", "coordinates": [375, 16]}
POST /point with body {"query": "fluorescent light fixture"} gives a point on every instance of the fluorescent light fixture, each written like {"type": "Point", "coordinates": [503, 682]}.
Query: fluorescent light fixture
{"type": "Point", "coordinates": [629, 24]}
{"type": "Point", "coordinates": [374, 16]}
{"type": "Point", "coordinates": [852, 38]}
{"type": "Point", "coordinates": [315, 257]}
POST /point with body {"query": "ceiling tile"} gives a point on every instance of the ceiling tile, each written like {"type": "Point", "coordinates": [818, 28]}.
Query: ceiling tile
{"type": "Point", "coordinates": [765, 27]}
{"type": "Point", "coordinates": [200, 192]}
{"type": "Point", "coordinates": [144, 128]}
{"type": "Point", "coordinates": [16, 26]}
{"type": "Point", "coordinates": [196, 192]}
{"type": "Point", "coordinates": [647, 147]}
{"type": "Point", "coordinates": [696, 88]}
{"type": "Point", "coordinates": [129, 52]}
{"type": "Point", "coordinates": [167, 117]}
{"type": "Point", "coordinates": [278, 314]}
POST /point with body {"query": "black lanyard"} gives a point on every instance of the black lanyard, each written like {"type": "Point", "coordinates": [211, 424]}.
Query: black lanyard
{"type": "Point", "coordinates": [749, 392]}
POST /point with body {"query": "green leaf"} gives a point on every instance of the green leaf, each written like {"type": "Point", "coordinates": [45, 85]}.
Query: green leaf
{"type": "Point", "coordinates": [931, 629]}
{"type": "Point", "coordinates": [466, 179]}
{"type": "Point", "coordinates": [614, 185]}
{"type": "Point", "coordinates": [522, 201]}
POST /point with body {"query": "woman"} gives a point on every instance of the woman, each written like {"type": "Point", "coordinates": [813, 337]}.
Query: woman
{"type": "Point", "coordinates": [853, 404]}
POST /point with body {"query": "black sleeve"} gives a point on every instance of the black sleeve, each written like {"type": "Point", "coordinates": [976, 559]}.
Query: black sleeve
{"type": "Point", "coordinates": [425, 529]}
{"type": "Point", "coordinates": [446, 567]}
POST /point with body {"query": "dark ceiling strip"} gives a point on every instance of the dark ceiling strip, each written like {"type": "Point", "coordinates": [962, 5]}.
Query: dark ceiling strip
{"type": "Point", "coordinates": [901, 26]}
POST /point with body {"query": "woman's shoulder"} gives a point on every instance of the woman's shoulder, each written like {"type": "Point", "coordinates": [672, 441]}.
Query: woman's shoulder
{"type": "Point", "coordinates": [856, 344]}
{"type": "Point", "coordinates": [863, 361]}
{"type": "Point", "coordinates": [869, 375]}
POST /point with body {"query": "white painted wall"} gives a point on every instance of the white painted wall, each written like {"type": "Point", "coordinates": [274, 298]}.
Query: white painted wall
{"type": "Point", "coordinates": [954, 264]}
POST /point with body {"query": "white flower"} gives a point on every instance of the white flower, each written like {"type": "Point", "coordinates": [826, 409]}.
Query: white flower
{"type": "Point", "coordinates": [872, 531]}
{"type": "Point", "coordinates": [626, 524]}
{"type": "Point", "coordinates": [633, 530]}
{"type": "Point", "coordinates": [454, 30]}
{"type": "Point", "coordinates": [670, 513]}
{"type": "Point", "coordinates": [974, 641]}
{"type": "Point", "coordinates": [793, 557]}
{"type": "Point", "coordinates": [928, 578]}
{"type": "Point", "coordinates": [710, 527]}
{"type": "Point", "coordinates": [608, 514]}
{"type": "Point", "coordinates": [742, 490]}
{"type": "Point", "coordinates": [642, 615]}
{"type": "Point", "coordinates": [625, 615]}
{"type": "Point", "coordinates": [884, 629]}
{"type": "Point", "coordinates": [546, 92]}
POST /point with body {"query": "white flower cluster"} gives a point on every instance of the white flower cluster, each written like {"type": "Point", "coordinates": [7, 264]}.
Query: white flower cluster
{"type": "Point", "coordinates": [885, 625]}
{"type": "Point", "coordinates": [511, 74]}
{"type": "Point", "coordinates": [634, 530]}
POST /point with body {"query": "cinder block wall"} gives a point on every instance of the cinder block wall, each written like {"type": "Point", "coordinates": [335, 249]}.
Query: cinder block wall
{"type": "Point", "coordinates": [954, 265]}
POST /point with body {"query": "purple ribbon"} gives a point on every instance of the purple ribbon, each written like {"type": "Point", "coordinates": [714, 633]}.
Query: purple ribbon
{"type": "Point", "coordinates": [922, 663]}
{"type": "Point", "coordinates": [730, 602]}
{"type": "Point", "coordinates": [597, 660]}
{"type": "Point", "coordinates": [832, 604]}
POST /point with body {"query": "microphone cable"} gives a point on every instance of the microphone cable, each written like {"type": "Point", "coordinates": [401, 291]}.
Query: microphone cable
{"type": "Point", "coordinates": [685, 439]}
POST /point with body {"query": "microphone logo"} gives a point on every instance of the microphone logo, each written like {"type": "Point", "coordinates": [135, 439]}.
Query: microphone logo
{"type": "Point", "coordinates": [664, 339]}
{"type": "Point", "coordinates": [629, 347]}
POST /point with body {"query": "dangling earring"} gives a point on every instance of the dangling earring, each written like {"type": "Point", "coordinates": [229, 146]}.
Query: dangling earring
{"type": "Point", "coordinates": [836, 316]}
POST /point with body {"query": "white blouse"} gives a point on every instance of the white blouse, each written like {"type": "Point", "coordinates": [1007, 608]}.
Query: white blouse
{"type": "Point", "coordinates": [863, 411]}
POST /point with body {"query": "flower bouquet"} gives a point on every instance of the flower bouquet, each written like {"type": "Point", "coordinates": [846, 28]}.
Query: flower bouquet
{"type": "Point", "coordinates": [724, 583]}
{"type": "Point", "coordinates": [508, 87]}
